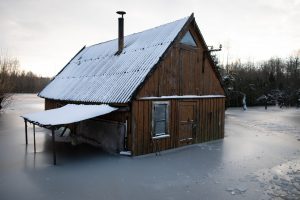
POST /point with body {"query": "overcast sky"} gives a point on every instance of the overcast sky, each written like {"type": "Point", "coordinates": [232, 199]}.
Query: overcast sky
{"type": "Point", "coordinates": [45, 34]}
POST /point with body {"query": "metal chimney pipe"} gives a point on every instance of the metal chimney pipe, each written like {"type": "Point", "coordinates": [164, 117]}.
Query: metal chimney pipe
{"type": "Point", "coordinates": [121, 31]}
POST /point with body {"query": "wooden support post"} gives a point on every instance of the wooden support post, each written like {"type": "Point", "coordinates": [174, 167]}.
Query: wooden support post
{"type": "Point", "coordinates": [34, 138]}
{"type": "Point", "coordinates": [26, 137]}
{"type": "Point", "coordinates": [53, 146]}
{"type": "Point", "coordinates": [203, 60]}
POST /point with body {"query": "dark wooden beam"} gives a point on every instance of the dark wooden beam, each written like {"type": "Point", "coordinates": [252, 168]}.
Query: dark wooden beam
{"type": "Point", "coordinates": [53, 146]}
{"type": "Point", "coordinates": [34, 138]}
{"type": "Point", "coordinates": [26, 136]}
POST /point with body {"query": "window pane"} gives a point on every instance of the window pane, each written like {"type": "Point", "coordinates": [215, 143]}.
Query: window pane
{"type": "Point", "coordinates": [160, 112]}
{"type": "Point", "coordinates": [160, 127]}
{"type": "Point", "coordinates": [160, 118]}
{"type": "Point", "coordinates": [188, 39]}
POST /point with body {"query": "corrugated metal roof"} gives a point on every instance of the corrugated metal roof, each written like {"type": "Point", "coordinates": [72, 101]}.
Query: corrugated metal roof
{"type": "Point", "coordinates": [96, 74]}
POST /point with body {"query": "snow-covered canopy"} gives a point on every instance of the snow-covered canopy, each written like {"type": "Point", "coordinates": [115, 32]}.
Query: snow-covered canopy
{"type": "Point", "coordinates": [67, 114]}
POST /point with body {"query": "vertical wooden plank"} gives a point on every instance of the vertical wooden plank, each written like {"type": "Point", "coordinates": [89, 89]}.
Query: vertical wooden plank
{"type": "Point", "coordinates": [205, 116]}
{"type": "Point", "coordinates": [223, 117]}
{"type": "Point", "coordinates": [175, 133]}
{"type": "Point", "coordinates": [34, 145]}
{"type": "Point", "coordinates": [220, 118]}
{"type": "Point", "coordinates": [211, 125]}
{"type": "Point", "coordinates": [129, 133]}
{"type": "Point", "coordinates": [217, 118]}
{"type": "Point", "coordinates": [210, 119]}
{"type": "Point", "coordinates": [53, 147]}
{"type": "Point", "coordinates": [150, 148]}
{"type": "Point", "coordinates": [134, 130]}
{"type": "Point", "coordinates": [140, 128]}
{"type": "Point", "coordinates": [214, 119]}
{"type": "Point", "coordinates": [151, 86]}
{"type": "Point", "coordinates": [177, 67]}
{"type": "Point", "coordinates": [146, 125]}
{"type": "Point", "coordinates": [207, 120]}
{"type": "Point", "coordinates": [26, 134]}
{"type": "Point", "coordinates": [174, 122]}
{"type": "Point", "coordinates": [161, 79]}
{"type": "Point", "coordinates": [156, 80]}
{"type": "Point", "coordinates": [170, 124]}
{"type": "Point", "coordinates": [200, 121]}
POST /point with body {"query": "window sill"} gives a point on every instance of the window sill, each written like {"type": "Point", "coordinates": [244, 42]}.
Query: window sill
{"type": "Point", "coordinates": [160, 137]}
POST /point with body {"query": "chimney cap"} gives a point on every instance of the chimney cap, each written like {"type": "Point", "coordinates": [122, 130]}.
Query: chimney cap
{"type": "Point", "coordinates": [121, 13]}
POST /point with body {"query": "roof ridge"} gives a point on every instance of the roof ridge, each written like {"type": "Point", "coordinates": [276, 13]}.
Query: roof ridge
{"type": "Point", "coordinates": [140, 31]}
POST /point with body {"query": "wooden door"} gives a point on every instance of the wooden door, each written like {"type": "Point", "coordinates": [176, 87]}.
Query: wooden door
{"type": "Point", "coordinates": [187, 117]}
{"type": "Point", "coordinates": [187, 79]}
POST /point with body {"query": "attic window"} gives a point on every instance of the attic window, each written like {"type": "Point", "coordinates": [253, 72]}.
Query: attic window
{"type": "Point", "coordinates": [188, 39]}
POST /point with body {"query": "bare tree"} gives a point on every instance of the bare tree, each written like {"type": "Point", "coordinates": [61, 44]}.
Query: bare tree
{"type": "Point", "coordinates": [8, 67]}
{"type": "Point", "coordinates": [12, 80]}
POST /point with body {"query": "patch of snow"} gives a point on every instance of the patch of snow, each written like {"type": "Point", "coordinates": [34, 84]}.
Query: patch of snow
{"type": "Point", "coordinates": [161, 136]}
{"type": "Point", "coordinates": [125, 153]}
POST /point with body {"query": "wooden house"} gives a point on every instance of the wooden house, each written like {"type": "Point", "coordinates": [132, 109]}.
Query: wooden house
{"type": "Point", "coordinates": [163, 82]}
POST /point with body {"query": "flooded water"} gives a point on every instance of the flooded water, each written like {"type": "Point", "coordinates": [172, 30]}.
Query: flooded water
{"type": "Point", "coordinates": [259, 158]}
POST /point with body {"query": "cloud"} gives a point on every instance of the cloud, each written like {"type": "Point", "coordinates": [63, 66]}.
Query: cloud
{"type": "Point", "coordinates": [45, 34]}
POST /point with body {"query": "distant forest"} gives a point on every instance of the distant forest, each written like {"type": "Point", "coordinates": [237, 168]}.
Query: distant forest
{"type": "Point", "coordinates": [13, 80]}
{"type": "Point", "coordinates": [274, 81]}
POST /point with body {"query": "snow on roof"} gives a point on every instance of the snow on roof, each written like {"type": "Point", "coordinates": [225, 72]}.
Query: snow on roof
{"type": "Point", "coordinates": [97, 74]}
{"type": "Point", "coordinates": [68, 114]}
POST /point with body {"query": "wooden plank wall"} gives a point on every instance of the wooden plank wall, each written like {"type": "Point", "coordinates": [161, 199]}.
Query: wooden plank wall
{"type": "Point", "coordinates": [167, 79]}
{"type": "Point", "coordinates": [210, 124]}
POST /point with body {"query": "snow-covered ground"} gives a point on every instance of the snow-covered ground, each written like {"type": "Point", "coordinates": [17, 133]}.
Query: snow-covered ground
{"type": "Point", "coordinates": [259, 158]}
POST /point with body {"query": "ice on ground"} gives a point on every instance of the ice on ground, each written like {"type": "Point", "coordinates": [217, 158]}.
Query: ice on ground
{"type": "Point", "coordinates": [281, 181]}
{"type": "Point", "coordinates": [257, 159]}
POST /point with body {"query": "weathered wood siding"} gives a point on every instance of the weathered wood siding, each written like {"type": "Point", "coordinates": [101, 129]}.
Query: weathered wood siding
{"type": "Point", "coordinates": [209, 124]}
{"type": "Point", "coordinates": [183, 71]}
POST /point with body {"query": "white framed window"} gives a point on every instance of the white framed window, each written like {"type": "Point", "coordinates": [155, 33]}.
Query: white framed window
{"type": "Point", "coordinates": [160, 119]}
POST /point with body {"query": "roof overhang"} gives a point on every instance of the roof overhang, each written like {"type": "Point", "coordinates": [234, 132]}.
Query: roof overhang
{"type": "Point", "coordinates": [67, 114]}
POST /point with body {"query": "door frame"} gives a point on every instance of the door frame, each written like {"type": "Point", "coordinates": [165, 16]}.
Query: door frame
{"type": "Point", "coordinates": [195, 123]}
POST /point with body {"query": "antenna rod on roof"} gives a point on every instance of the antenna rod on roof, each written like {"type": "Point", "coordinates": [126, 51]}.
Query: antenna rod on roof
{"type": "Point", "coordinates": [121, 31]}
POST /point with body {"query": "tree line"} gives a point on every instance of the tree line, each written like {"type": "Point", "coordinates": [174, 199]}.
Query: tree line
{"type": "Point", "coordinates": [14, 80]}
{"type": "Point", "coordinates": [276, 80]}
